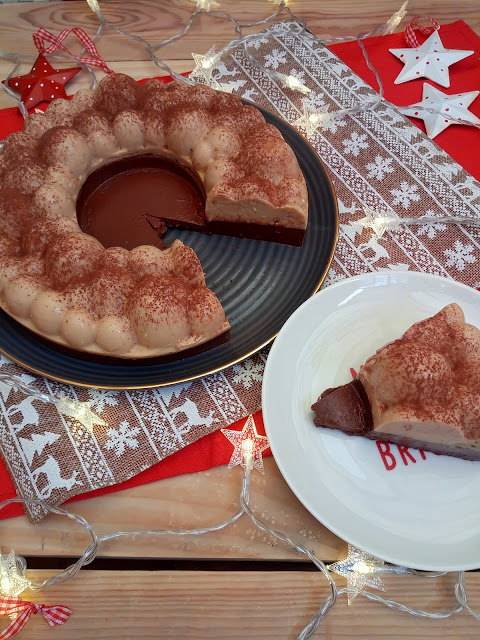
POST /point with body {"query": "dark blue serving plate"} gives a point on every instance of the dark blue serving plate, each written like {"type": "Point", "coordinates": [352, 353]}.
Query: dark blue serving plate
{"type": "Point", "coordinates": [259, 284]}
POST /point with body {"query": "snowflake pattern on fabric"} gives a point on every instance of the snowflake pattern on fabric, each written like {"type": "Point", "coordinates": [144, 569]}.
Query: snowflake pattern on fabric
{"type": "Point", "coordinates": [258, 42]}
{"type": "Point", "coordinates": [407, 194]}
{"type": "Point", "coordinates": [430, 229]}
{"type": "Point", "coordinates": [355, 143]}
{"type": "Point", "coordinates": [380, 168]}
{"type": "Point", "coordinates": [459, 255]}
{"type": "Point", "coordinates": [121, 438]}
{"type": "Point", "coordinates": [300, 75]}
{"type": "Point", "coordinates": [331, 125]}
{"type": "Point", "coordinates": [247, 373]}
{"type": "Point", "coordinates": [378, 161]}
{"type": "Point", "coordinates": [100, 398]}
{"type": "Point", "coordinates": [275, 58]}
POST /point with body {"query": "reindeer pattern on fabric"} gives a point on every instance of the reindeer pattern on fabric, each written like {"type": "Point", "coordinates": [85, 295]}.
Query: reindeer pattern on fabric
{"type": "Point", "coordinates": [53, 456]}
{"type": "Point", "coordinates": [377, 160]}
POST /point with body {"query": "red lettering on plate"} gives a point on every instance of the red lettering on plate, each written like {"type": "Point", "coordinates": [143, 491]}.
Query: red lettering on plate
{"type": "Point", "coordinates": [387, 456]}
{"type": "Point", "coordinates": [353, 373]}
{"type": "Point", "coordinates": [404, 452]}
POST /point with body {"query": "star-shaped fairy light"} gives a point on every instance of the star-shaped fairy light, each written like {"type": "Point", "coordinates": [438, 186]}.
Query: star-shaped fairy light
{"type": "Point", "coordinates": [359, 568]}
{"type": "Point", "coordinates": [292, 82]}
{"type": "Point", "coordinates": [81, 411]}
{"type": "Point", "coordinates": [204, 65]}
{"type": "Point", "coordinates": [206, 5]}
{"type": "Point", "coordinates": [94, 6]}
{"type": "Point", "coordinates": [430, 60]}
{"type": "Point", "coordinates": [12, 579]}
{"type": "Point", "coordinates": [246, 440]}
{"type": "Point", "coordinates": [311, 118]}
{"type": "Point", "coordinates": [379, 222]}
{"type": "Point", "coordinates": [449, 109]}
{"type": "Point", "coordinates": [42, 83]}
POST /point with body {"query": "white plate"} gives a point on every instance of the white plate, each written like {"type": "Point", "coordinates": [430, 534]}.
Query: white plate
{"type": "Point", "coordinates": [424, 514]}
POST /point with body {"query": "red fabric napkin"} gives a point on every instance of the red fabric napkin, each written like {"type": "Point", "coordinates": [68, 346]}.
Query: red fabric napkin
{"type": "Point", "coordinates": [210, 451]}
{"type": "Point", "coordinates": [461, 142]}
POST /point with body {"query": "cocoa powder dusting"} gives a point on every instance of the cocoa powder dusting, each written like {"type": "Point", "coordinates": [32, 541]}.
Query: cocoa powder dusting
{"type": "Point", "coordinates": [55, 136]}
{"type": "Point", "coordinates": [106, 290]}
{"type": "Point", "coordinates": [187, 265]}
{"type": "Point", "coordinates": [91, 120]}
{"type": "Point", "coordinates": [253, 186]}
{"type": "Point", "coordinates": [18, 147]}
{"type": "Point", "coordinates": [158, 297]}
{"type": "Point", "coordinates": [204, 303]}
{"type": "Point", "coordinates": [15, 212]}
{"type": "Point", "coordinates": [430, 373]}
{"type": "Point", "coordinates": [116, 92]}
{"type": "Point", "coordinates": [68, 258]}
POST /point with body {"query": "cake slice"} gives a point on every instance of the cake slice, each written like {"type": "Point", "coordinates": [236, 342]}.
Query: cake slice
{"type": "Point", "coordinates": [420, 391]}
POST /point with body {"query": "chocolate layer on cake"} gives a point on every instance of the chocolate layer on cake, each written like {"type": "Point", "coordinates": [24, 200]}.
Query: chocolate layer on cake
{"type": "Point", "coordinates": [346, 408]}
{"type": "Point", "coordinates": [132, 201]}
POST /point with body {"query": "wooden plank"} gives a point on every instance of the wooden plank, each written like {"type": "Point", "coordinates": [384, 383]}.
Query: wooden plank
{"type": "Point", "coordinates": [198, 605]}
{"type": "Point", "coordinates": [156, 20]}
{"type": "Point", "coordinates": [188, 501]}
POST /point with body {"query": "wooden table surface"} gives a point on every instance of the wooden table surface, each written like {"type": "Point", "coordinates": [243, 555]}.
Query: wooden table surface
{"type": "Point", "coordinates": [239, 582]}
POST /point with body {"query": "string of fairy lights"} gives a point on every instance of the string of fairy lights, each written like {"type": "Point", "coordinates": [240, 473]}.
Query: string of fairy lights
{"type": "Point", "coordinates": [360, 569]}
{"type": "Point", "coordinates": [312, 117]}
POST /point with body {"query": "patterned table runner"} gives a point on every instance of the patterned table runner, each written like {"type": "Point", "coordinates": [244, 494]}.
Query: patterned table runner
{"type": "Point", "coordinates": [377, 159]}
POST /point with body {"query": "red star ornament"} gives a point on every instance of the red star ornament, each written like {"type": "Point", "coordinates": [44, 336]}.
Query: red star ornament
{"type": "Point", "coordinates": [43, 83]}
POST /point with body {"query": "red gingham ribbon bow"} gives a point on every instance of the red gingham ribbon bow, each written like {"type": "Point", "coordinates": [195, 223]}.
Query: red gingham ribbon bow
{"type": "Point", "coordinates": [410, 35]}
{"type": "Point", "coordinates": [56, 43]}
{"type": "Point", "coordinates": [56, 614]}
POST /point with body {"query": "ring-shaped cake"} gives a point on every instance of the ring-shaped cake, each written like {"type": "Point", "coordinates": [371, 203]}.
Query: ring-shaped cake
{"type": "Point", "coordinates": [64, 285]}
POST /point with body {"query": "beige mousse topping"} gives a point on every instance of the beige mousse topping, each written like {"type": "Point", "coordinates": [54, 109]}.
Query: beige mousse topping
{"type": "Point", "coordinates": [64, 284]}
{"type": "Point", "coordinates": [424, 386]}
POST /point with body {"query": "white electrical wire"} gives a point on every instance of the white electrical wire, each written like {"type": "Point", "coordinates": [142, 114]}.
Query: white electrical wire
{"type": "Point", "coordinates": [297, 27]}
{"type": "Point", "coordinates": [329, 601]}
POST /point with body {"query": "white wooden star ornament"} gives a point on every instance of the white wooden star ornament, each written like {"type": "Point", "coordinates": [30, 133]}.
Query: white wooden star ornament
{"type": "Point", "coordinates": [430, 60]}
{"type": "Point", "coordinates": [449, 109]}
{"type": "Point", "coordinates": [247, 436]}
